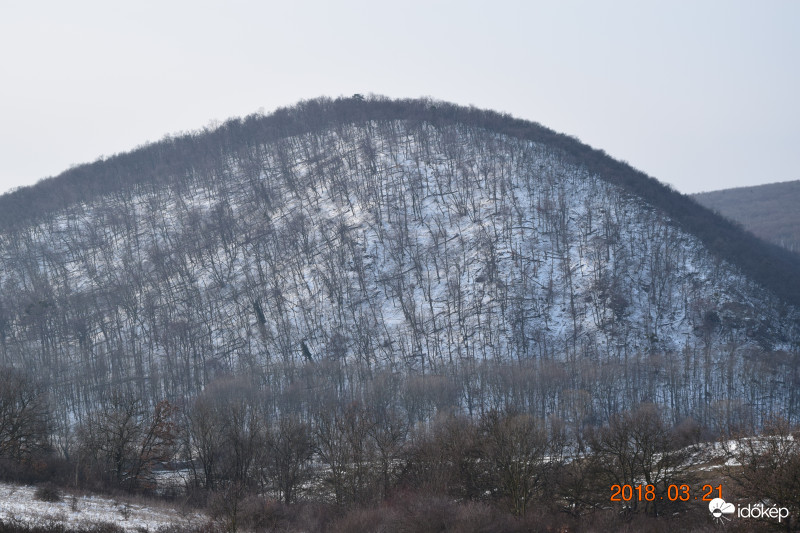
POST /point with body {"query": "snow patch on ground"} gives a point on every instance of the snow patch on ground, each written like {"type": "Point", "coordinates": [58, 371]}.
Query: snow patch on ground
{"type": "Point", "coordinates": [18, 505]}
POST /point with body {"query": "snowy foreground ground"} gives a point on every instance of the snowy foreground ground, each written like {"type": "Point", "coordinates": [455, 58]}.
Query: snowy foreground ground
{"type": "Point", "coordinates": [17, 504]}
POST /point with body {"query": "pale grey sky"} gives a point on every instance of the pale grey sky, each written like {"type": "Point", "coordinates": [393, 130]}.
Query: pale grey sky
{"type": "Point", "coordinates": [700, 94]}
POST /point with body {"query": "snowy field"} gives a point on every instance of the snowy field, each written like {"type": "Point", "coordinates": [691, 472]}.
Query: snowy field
{"type": "Point", "coordinates": [18, 505]}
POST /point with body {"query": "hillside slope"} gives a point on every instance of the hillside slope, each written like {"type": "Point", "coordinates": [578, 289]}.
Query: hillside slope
{"type": "Point", "coordinates": [349, 236]}
{"type": "Point", "coordinates": [769, 211]}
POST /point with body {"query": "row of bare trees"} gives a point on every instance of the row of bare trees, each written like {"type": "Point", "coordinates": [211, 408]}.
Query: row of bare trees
{"type": "Point", "coordinates": [232, 443]}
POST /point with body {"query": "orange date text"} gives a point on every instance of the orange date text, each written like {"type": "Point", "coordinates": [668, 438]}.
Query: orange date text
{"type": "Point", "coordinates": [673, 493]}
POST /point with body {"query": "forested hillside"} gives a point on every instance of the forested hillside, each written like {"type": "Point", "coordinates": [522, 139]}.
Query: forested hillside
{"type": "Point", "coordinates": [769, 211]}
{"type": "Point", "coordinates": [415, 258]}
{"type": "Point", "coordinates": [405, 245]}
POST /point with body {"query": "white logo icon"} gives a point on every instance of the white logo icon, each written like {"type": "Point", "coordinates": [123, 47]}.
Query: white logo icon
{"type": "Point", "coordinates": [719, 508]}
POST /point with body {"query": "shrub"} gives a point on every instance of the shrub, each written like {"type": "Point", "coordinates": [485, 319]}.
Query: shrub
{"type": "Point", "coordinates": [47, 493]}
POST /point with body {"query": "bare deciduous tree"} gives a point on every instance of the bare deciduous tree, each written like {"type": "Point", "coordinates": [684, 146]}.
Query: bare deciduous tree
{"type": "Point", "coordinates": [24, 416]}
{"type": "Point", "coordinates": [287, 456]}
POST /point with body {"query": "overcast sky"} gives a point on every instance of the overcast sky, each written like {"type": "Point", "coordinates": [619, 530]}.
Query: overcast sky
{"type": "Point", "coordinates": [702, 95]}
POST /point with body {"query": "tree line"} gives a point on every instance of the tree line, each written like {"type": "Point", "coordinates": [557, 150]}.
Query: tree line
{"type": "Point", "coordinates": [254, 461]}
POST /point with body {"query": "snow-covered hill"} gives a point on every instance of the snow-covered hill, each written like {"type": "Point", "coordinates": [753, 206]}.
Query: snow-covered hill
{"type": "Point", "coordinates": [399, 245]}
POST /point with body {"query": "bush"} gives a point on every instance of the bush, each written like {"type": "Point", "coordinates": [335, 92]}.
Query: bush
{"type": "Point", "coordinates": [47, 493]}
{"type": "Point", "coordinates": [260, 514]}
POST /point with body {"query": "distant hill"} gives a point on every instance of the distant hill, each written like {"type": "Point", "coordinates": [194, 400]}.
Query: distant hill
{"type": "Point", "coordinates": [770, 211]}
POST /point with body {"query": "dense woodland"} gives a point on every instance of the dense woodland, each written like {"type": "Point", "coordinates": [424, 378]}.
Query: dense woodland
{"type": "Point", "coordinates": [349, 301]}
